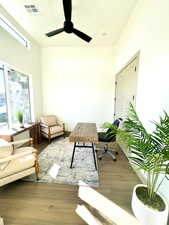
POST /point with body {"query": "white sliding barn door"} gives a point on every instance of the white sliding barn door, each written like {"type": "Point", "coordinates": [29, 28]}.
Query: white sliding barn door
{"type": "Point", "coordinates": [126, 88]}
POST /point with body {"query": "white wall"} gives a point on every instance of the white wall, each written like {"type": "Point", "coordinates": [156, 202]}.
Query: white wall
{"type": "Point", "coordinates": [78, 83]}
{"type": "Point", "coordinates": [148, 31]}
{"type": "Point", "coordinates": [22, 59]}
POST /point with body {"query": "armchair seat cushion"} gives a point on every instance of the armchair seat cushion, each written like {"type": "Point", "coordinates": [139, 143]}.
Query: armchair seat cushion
{"type": "Point", "coordinates": [19, 164]}
{"type": "Point", "coordinates": [53, 129]}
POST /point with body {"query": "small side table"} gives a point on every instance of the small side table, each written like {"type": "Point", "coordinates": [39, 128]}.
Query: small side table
{"type": "Point", "coordinates": [34, 132]}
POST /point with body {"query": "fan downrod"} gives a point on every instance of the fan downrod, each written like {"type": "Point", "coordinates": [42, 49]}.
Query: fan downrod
{"type": "Point", "coordinates": [68, 27]}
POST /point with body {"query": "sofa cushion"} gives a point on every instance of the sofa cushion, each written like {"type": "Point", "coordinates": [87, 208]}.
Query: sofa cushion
{"type": "Point", "coordinates": [18, 165]}
{"type": "Point", "coordinates": [23, 149]}
{"type": "Point", "coordinates": [49, 120]}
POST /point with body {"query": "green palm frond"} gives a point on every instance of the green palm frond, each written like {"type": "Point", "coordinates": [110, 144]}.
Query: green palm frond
{"type": "Point", "coordinates": [149, 152]}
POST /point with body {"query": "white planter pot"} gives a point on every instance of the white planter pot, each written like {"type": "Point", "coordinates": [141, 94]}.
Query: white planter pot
{"type": "Point", "coordinates": [146, 215]}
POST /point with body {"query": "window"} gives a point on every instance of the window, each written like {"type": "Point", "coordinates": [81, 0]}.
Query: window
{"type": "Point", "coordinates": [19, 96]}
{"type": "Point", "coordinates": [13, 31]}
{"type": "Point", "coordinates": [14, 97]}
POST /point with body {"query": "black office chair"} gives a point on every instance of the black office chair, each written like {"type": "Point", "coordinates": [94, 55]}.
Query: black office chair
{"type": "Point", "coordinates": [106, 139]}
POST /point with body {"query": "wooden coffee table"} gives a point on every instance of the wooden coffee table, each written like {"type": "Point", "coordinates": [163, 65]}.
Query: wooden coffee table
{"type": "Point", "coordinates": [86, 133]}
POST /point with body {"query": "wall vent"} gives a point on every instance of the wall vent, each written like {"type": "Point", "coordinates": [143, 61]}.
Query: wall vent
{"type": "Point", "coordinates": [32, 9]}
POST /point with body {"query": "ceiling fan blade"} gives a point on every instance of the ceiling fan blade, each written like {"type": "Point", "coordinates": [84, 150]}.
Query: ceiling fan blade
{"type": "Point", "coordinates": [67, 5]}
{"type": "Point", "coordinates": [54, 32]}
{"type": "Point", "coordinates": [83, 36]}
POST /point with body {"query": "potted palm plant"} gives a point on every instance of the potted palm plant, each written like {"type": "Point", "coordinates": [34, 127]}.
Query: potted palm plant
{"type": "Point", "coordinates": [149, 152]}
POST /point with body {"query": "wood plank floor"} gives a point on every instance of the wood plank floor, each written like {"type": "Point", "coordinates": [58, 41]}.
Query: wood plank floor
{"type": "Point", "coordinates": [28, 203]}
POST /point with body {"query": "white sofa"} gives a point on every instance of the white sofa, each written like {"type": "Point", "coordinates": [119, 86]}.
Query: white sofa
{"type": "Point", "coordinates": [16, 163]}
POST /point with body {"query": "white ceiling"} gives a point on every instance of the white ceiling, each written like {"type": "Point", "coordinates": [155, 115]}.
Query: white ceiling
{"type": "Point", "coordinates": [100, 19]}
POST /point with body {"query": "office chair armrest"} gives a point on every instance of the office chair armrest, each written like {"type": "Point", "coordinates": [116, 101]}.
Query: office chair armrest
{"type": "Point", "coordinates": [102, 130]}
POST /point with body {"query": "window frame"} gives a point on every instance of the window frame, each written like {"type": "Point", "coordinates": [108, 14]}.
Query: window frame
{"type": "Point", "coordinates": [3, 70]}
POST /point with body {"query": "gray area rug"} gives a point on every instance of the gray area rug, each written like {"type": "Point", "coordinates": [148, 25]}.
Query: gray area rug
{"type": "Point", "coordinates": [59, 153]}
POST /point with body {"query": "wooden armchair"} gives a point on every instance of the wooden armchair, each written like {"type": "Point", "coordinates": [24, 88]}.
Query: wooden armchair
{"type": "Point", "coordinates": [17, 162]}
{"type": "Point", "coordinates": [51, 127]}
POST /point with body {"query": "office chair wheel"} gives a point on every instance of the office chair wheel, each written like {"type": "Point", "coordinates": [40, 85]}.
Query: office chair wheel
{"type": "Point", "coordinates": [117, 153]}
{"type": "Point", "coordinates": [100, 158]}
{"type": "Point", "coordinates": [114, 160]}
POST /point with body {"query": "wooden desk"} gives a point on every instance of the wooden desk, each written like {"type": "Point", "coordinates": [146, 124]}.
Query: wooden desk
{"type": "Point", "coordinates": [84, 132]}
{"type": "Point", "coordinates": [34, 132]}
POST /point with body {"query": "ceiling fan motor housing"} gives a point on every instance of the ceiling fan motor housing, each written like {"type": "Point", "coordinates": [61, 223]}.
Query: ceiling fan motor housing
{"type": "Point", "coordinates": [68, 26]}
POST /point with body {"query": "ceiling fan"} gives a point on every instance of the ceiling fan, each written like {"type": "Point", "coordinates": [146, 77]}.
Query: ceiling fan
{"type": "Point", "coordinates": [68, 26]}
